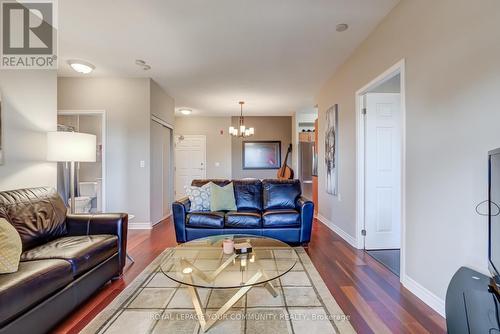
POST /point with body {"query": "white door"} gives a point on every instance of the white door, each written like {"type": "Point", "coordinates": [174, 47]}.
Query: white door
{"type": "Point", "coordinates": [190, 161]}
{"type": "Point", "coordinates": [383, 171]}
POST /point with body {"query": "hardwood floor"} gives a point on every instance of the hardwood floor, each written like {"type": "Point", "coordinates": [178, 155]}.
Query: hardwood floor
{"type": "Point", "coordinates": [365, 290]}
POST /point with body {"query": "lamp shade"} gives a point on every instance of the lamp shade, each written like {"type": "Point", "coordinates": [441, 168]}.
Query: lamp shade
{"type": "Point", "coordinates": [71, 146]}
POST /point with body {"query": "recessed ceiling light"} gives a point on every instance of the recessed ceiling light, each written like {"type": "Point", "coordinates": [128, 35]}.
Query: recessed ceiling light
{"type": "Point", "coordinates": [342, 27]}
{"type": "Point", "coordinates": [185, 111]}
{"type": "Point", "coordinates": [81, 66]}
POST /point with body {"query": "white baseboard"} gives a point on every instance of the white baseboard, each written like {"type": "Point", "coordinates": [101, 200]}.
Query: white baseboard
{"type": "Point", "coordinates": [139, 226]}
{"type": "Point", "coordinates": [433, 301]}
{"type": "Point", "coordinates": [344, 235]}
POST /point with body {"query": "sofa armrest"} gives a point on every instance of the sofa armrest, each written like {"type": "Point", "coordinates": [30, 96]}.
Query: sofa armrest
{"type": "Point", "coordinates": [306, 209]}
{"type": "Point", "coordinates": [105, 223]}
{"type": "Point", "coordinates": [180, 208]}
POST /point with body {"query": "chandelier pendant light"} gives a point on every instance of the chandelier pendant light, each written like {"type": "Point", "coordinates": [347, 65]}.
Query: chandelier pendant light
{"type": "Point", "coordinates": [241, 131]}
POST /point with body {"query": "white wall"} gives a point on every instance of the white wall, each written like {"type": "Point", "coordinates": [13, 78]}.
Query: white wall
{"type": "Point", "coordinates": [29, 111]}
{"type": "Point", "coordinates": [452, 82]}
{"type": "Point", "coordinates": [218, 145]}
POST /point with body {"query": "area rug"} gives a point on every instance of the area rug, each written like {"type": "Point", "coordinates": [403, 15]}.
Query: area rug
{"type": "Point", "coordinates": [153, 303]}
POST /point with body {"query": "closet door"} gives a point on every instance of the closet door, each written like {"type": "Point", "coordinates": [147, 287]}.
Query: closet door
{"type": "Point", "coordinates": [156, 177]}
{"type": "Point", "coordinates": [168, 171]}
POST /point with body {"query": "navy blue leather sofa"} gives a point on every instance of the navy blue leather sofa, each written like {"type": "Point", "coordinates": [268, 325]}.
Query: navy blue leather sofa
{"type": "Point", "coordinates": [272, 208]}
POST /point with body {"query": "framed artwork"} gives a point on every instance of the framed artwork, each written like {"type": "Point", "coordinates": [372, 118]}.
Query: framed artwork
{"type": "Point", "coordinates": [261, 154]}
{"type": "Point", "coordinates": [331, 150]}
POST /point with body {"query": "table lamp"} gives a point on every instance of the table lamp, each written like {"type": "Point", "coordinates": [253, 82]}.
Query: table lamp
{"type": "Point", "coordinates": [71, 147]}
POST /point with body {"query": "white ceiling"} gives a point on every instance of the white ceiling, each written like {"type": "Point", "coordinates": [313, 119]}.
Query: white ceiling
{"type": "Point", "coordinates": [210, 54]}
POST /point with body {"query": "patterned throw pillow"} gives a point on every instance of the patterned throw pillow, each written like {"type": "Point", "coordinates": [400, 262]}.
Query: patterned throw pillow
{"type": "Point", "coordinates": [199, 197]}
{"type": "Point", "coordinates": [10, 248]}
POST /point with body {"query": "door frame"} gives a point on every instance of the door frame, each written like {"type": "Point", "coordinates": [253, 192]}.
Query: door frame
{"type": "Point", "coordinates": [176, 140]}
{"type": "Point", "coordinates": [398, 68]}
{"type": "Point", "coordinates": [102, 113]}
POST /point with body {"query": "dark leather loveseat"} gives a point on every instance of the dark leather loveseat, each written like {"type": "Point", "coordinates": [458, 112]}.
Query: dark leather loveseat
{"type": "Point", "coordinates": [272, 208]}
{"type": "Point", "coordinates": [65, 259]}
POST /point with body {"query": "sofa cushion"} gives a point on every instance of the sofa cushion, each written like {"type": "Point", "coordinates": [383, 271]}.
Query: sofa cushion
{"type": "Point", "coordinates": [38, 214]}
{"type": "Point", "coordinates": [280, 194]}
{"type": "Point", "coordinates": [281, 218]}
{"type": "Point", "coordinates": [248, 194]}
{"type": "Point", "coordinates": [205, 219]}
{"type": "Point", "coordinates": [243, 219]}
{"type": "Point", "coordinates": [82, 252]}
{"type": "Point", "coordinates": [32, 283]}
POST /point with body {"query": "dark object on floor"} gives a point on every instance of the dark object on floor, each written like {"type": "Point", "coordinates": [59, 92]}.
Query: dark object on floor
{"type": "Point", "coordinates": [65, 259]}
{"type": "Point", "coordinates": [390, 258]}
{"type": "Point", "coordinates": [470, 307]}
{"type": "Point", "coordinates": [271, 208]}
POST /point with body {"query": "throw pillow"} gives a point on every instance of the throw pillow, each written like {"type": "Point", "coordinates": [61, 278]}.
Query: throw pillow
{"type": "Point", "coordinates": [10, 248]}
{"type": "Point", "coordinates": [199, 197]}
{"type": "Point", "coordinates": [222, 198]}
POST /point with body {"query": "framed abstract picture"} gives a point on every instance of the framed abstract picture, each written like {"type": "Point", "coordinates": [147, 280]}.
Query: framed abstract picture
{"type": "Point", "coordinates": [261, 154]}
{"type": "Point", "coordinates": [331, 150]}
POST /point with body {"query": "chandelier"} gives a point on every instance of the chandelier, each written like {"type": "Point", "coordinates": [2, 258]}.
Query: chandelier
{"type": "Point", "coordinates": [243, 131]}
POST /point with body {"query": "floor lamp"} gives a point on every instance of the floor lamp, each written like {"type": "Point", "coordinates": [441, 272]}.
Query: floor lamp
{"type": "Point", "coordinates": [71, 147]}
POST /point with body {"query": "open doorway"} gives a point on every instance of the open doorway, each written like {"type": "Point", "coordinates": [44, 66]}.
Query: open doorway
{"type": "Point", "coordinates": [90, 177]}
{"type": "Point", "coordinates": [381, 168]}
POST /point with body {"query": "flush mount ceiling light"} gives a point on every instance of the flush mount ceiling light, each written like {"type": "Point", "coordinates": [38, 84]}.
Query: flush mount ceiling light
{"type": "Point", "coordinates": [81, 66]}
{"type": "Point", "coordinates": [185, 111]}
{"type": "Point", "coordinates": [342, 27]}
{"type": "Point", "coordinates": [243, 131]}
{"type": "Point", "coordinates": [143, 64]}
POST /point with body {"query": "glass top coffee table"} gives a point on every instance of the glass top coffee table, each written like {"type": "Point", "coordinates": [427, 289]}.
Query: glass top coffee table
{"type": "Point", "coordinates": [201, 263]}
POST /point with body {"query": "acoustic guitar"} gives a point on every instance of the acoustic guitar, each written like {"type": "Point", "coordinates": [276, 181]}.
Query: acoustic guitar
{"type": "Point", "coordinates": [285, 172]}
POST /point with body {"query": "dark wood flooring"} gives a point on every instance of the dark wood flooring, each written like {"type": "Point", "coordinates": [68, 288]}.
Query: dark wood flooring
{"type": "Point", "coordinates": [390, 258]}
{"type": "Point", "coordinates": [365, 290]}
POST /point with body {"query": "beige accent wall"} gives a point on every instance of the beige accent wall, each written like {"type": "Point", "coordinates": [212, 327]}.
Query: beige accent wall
{"type": "Point", "coordinates": [218, 145]}
{"type": "Point", "coordinates": [127, 103]}
{"type": "Point", "coordinates": [452, 54]}
{"type": "Point", "coordinates": [266, 128]}
{"type": "Point", "coordinates": [29, 111]}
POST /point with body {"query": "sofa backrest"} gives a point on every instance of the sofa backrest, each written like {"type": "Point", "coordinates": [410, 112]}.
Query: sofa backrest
{"type": "Point", "coordinates": [253, 194]}
{"type": "Point", "coordinates": [38, 214]}
{"type": "Point", "coordinates": [248, 194]}
{"type": "Point", "coordinates": [202, 182]}
{"type": "Point", "coordinates": [280, 194]}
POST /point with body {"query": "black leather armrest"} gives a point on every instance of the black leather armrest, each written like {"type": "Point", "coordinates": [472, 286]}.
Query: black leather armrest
{"type": "Point", "coordinates": [104, 223]}
{"type": "Point", "coordinates": [306, 209]}
{"type": "Point", "coordinates": [180, 208]}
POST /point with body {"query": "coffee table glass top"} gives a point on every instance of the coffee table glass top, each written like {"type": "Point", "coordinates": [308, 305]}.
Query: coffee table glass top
{"type": "Point", "coordinates": [202, 262]}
